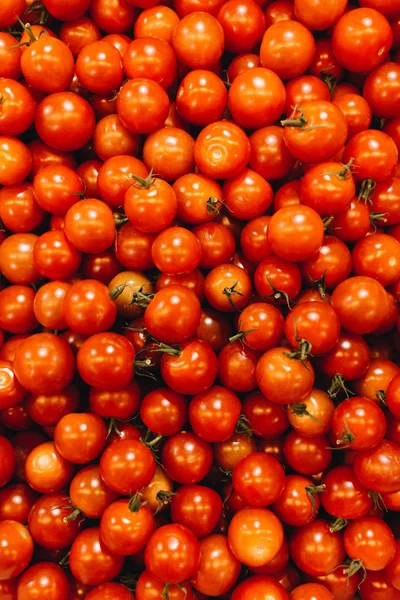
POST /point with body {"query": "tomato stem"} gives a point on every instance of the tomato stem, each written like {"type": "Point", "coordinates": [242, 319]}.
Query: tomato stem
{"type": "Point", "coordinates": [366, 190]}
{"type": "Point", "coordinates": [163, 499]}
{"type": "Point", "coordinates": [381, 395]}
{"type": "Point", "coordinates": [240, 335]}
{"type": "Point", "coordinates": [337, 386]}
{"type": "Point", "coordinates": [142, 182]}
{"type": "Point", "coordinates": [165, 592]}
{"type": "Point", "coordinates": [277, 294]}
{"type": "Point", "coordinates": [300, 122]}
{"type": "Point", "coordinates": [354, 567]}
{"type": "Point", "coordinates": [377, 500]}
{"type": "Point", "coordinates": [243, 426]}
{"type": "Point", "coordinates": [135, 502]}
{"type": "Point", "coordinates": [212, 206]}
{"type": "Point", "coordinates": [301, 409]}
{"type": "Point", "coordinates": [338, 525]}
{"type": "Point", "coordinates": [312, 491]}
{"type": "Point", "coordinates": [231, 291]}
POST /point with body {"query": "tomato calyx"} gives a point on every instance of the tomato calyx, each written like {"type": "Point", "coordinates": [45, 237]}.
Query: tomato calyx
{"type": "Point", "coordinates": [344, 173]}
{"type": "Point", "coordinates": [300, 121]}
{"type": "Point", "coordinates": [329, 79]}
{"type": "Point", "coordinates": [300, 410]}
{"type": "Point", "coordinates": [377, 500]}
{"type": "Point", "coordinates": [366, 190]}
{"type": "Point", "coordinates": [32, 38]}
{"type": "Point", "coordinates": [213, 206]}
{"type": "Point", "coordinates": [277, 294]}
{"type": "Point", "coordinates": [232, 291]}
{"type": "Point", "coordinates": [353, 568]}
{"type": "Point", "coordinates": [163, 499]}
{"type": "Point", "coordinates": [240, 335]}
{"type": "Point", "coordinates": [374, 217]}
{"type": "Point", "coordinates": [381, 395]}
{"type": "Point", "coordinates": [338, 385]}
{"type": "Point", "coordinates": [346, 438]}
{"type": "Point", "coordinates": [38, 7]}
{"type": "Point", "coordinates": [243, 426]}
{"type": "Point", "coordinates": [64, 562]}
{"type": "Point", "coordinates": [337, 525]}
{"type": "Point", "coordinates": [312, 491]}
{"type": "Point", "coordinates": [136, 502]}
{"type": "Point", "coordinates": [120, 219]}
{"type": "Point", "coordinates": [143, 183]}
{"type": "Point", "coordinates": [139, 297]}
{"type": "Point", "coordinates": [151, 440]}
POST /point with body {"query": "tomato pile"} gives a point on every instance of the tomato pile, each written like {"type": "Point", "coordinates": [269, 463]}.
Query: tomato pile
{"type": "Point", "coordinates": [199, 300]}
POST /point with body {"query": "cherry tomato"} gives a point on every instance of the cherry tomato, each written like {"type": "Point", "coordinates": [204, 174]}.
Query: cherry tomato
{"type": "Point", "coordinates": [126, 466]}
{"type": "Point", "coordinates": [169, 152]}
{"type": "Point", "coordinates": [142, 105]}
{"type": "Point", "coordinates": [186, 458]}
{"type": "Point", "coordinates": [16, 549]}
{"type": "Point", "coordinates": [372, 468]}
{"type": "Point", "coordinates": [89, 226]}
{"type": "Point", "coordinates": [370, 541]}
{"type": "Point", "coordinates": [222, 150]}
{"type": "Point", "coordinates": [46, 470]}
{"type": "Point", "coordinates": [45, 580]}
{"type": "Point", "coordinates": [196, 507]}
{"type": "Point", "coordinates": [259, 479]}
{"type": "Point", "coordinates": [312, 417]}
{"type": "Point", "coordinates": [90, 561]}
{"type": "Point", "coordinates": [307, 455]}
{"type": "Point", "coordinates": [110, 591]}
{"type": "Point", "coordinates": [374, 153]}
{"type": "Point", "coordinates": [124, 528]}
{"type": "Point", "coordinates": [16, 160]}
{"type": "Point", "coordinates": [201, 97]}
{"type": "Point", "coordinates": [344, 497]}
{"type": "Point", "coordinates": [198, 40]}
{"type": "Point", "coordinates": [315, 549]}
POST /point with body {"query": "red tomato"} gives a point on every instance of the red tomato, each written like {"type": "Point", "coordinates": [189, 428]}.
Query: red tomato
{"type": "Point", "coordinates": [255, 536]}
{"type": "Point", "coordinates": [186, 458]}
{"type": "Point", "coordinates": [374, 153]}
{"type": "Point", "coordinates": [126, 466]}
{"type": "Point", "coordinates": [169, 152]}
{"type": "Point", "coordinates": [259, 479]}
{"type": "Point", "coordinates": [142, 105]}
{"type": "Point", "coordinates": [370, 541]}
{"type": "Point", "coordinates": [198, 40]}
{"type": "Point", "coordinates": [361, 39]}
{"type": "Point", "coordinates": [90, 561]}
{"type": "Point", "coordinates": [156, 22]}
{"type": "Point", "coordinates": [172, 554]}
{"type": "Point", "coordinates": [16, 549]}
{"type": "Point", "coordinates": [315, 549]}
{"type": "Point", "coordinates": [15, 160]}
{"type": "Point", "coordinates": [287, 48]}
{"type": "Point", "coordinates": [45, 580]}
{"type": "Point", "coordinates": [372, 468]}
{"type": "Point", "coordinates": [218, 569]}
{"type": "Point", "coordinates": [110, 591]}
{"type": "Point", "coordinates": [173, 315]}
{"type": "Point", "coordinates": [125, 528]}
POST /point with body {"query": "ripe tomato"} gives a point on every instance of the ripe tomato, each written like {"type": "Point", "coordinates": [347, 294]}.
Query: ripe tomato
{"type": "Point", "coordinates": [150, 196]}
{"type": "Point", "coordinates": [328, 188]}
{"type": "Point", "coordinates": [55, 257]}
{"type": "Point", "coordinates": [47, 64]}
{"type": "Point", "coordinates": [89, 225]}
{"type": "Point", "coordinates": [307, 455]}
{"type": "Point", "coordinates": [299, 502]}
{"type": "Point", "coordinates": [78, 33]}
{"type": "Point", "coordinates": [152, 58]}
{"type": "Point", "coordinates": [46, 470]}
{"type": "Point", "coordinates": [105, 361]}
{"type": "Point", "coordinates": [113, 16]}
{"type": "Point", "coordinates": [222, 150]}
{"type": "Point", "coordinates": [358, 423]}
{"type": "Point", "coordinates": [376, 587]}
{"type": "Point", "coordinates": [198, 40]}
{"type": "Point", "coordinates": [361, 40]}
{"type": "Point", "coordinates": [372, 468]}
{"type": "Point", "coordinates": [309, 591]}
{"type": "Point", "coordinates": [116, 176]}
{"type": "Point", "coordinates": [172, 554]}
{"type": "Point", "coordinates": [89, 495]}
{"type": "Point", "coordinates": [282, 379]}
{"type": "Point", "coordinates": [256, 87]}
{"type": "Point", "coordinates": [360, 303]}
{"type": "Point", "coordinates": [213, 414]}
{"type": "Point", "coordinates": [315, 131]}
{"type": "Point", "coordinates": [16, 501]}
{"type": "Point", "coordinates": [344, 497]}
{"type": "Point", "coordinates": [45, 580]}
{"type": "Point", "coordinates": [149, 588]}
{"type": "Point", "coordinates": [110, 591]}
{"type": "Point", "coordinates": [260, 326]}
{"type": "Point", "coordinates": [218, 569]}
{"type": "Point", "coordinates": [142, 105]}
{"type": "Point", "coordinates": [287, 48]}
{"type": "Point", "coordinates": [87, 307]}
{"type": "Point", "coordinates": [193, 370]}
{"type": "Point", "coordinates": [47, 410]}
{"type": "Point", "coordinates": [196, 507]}
{"type": "Point", "coordinates": [99, 68]}
{"type": "Point", "coordinates": [90, 561]}
{"type": "Point", "coordinates": [237, 367]}
{"type": "Point", "coordinates": [315, 549]}
{"type": "Point", "coordinates": [357, 112]}
{"type": "Point", "coordinates": [125, 528]}
{"type": "Point", "coordinates": [126, 466]}
{"type": "Point", "coordinates": [266, 418]}
{"type": "Point", "coordinates": [88, 428]}
{"type": "Point", "coordinates": [386, 198]}
{"type": "Point", "coordinates": [374, 153]}
{"type": "Point", "coordinates": [64, 121]}
{"type": "Point", "coordinates": [259, 479]}
{"type": "Point", "coordinates": [315, 323]}
{"type": "Point", "coordinates": [156, 22]}
{"type": "Point", "coordinates": [377, 256]}
{"type": "Point", "coordinates": [319, 16]}
{"type": "Point", "coordinates": [169, 152]}
{"type": "Point", "coordinates": [201, 97]}
{"type": "Point", "coordinates": [350, 358]}
{"type": "Point", "coordinates": [243, 24]}
{"type": "Point", "coordinates": [176, 250]}
{"type": "Point", "coordinates": [370, 541]}
{"type": "Point", "coordinates": [15, 160]}
{"type": "Point", "coordinates": [18, 108]}
{"type": "Point", "coordinates": [16, 549]}
{"type": "Point", "coordinates": [173, 315]}
{"type": "Point", "coordinates": [111, 138]}
{"type": "Point", "coordinates": [186, 458]}
{"type": "Point", "coordinates": [312, 417]}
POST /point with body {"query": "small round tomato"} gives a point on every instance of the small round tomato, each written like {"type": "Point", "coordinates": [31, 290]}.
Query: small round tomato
{"type": "Point", "coordinates": [328, 188]}
{"type": "Point", "coordinates": [47, 410]}
{"type": "Point", "coordinates": [222, 150]}
{"type": "Point", "coordinates": [267, 419]}
{"type": "Point", "coordinates": [78, 33]}
{"type": "Point", "coordinates": [361, 39]}
{"type": "Point", "coordinates": [315, 131]}
{"type": "Point", "coordinates": [99, 68]}
{"type": "Point", "coordinates": [260, 326]}
{"type": "Point", "coordinates": [47, 64]}
{"type": "Point", "coordinates": [299, 502]}
{"type": "Point", "coordinates": [377, 256]}
{"type": "Point", "coordinates": [312, 416]}
{"type": "Point", "coordinates": [218, 569]}
{"type": "Point", "coordinates": [248, 195]}
{"type": "Point", "coordinates": [309, 591]}
{"type": "Point", "coordinates": [173, 315]}
{"type": "Point", "coordinates": [213, 414]}
{"type": "Point", "coordinates": [370, 541]}
{"type": "Point", "coordinates": [125, 528]}
{"type": "Point", "coordinates": [126, 466]}
{"type": "Point", "coordinates": [46, 470]}
{"type": "Point", "coordinates": [88, 428]}
{"type": "Point", "coordinates": [358, 423]}
{"type": "Point", "coordinates": [259, 479]}
{"type": "Point", "coordinates": [192, 370]}
{"type": "Point", "coordinates": [198, 40]}
{"type": "Point", "coordinates": [142, 105]}
{"type": "Point", "coordinates": [357, 112]}
{"type": "Point", "coordinates": [277, 280]}
{"type": "Point", "coordinates": [313, 322]}
{"type": "Point", "coordinates": [172, 554]}
{"type": "Point", "coordinates": [152, 58]}
{"type": "Point", "coordinates": [169, 151]}
{"type": "Point", "coordinates": [153, 197]}
{"type": "Point", "coordinates": [243, 23]}
{"type": "Point", "coordinates": [186, 458]}
{"type": "Point", "coordinates": [113, 16]}
{"type": "Point", "coordinates": [350, 357]}
{"type": "Point", "coordinates": [64, 121]}
{"type": "Point", "coordinates": [110, 591]}
{"type": "Point", "coordinates": [282, 379]}
{"type": "Point", "coordinates": [111, 138]}
{"type": "Point", "coordinates": [18, 107]}
{"type": "Point", "coordinates": [375, 154]}
{"type": "Point", "coordinates": [270, 156]}
{"type": "Point", "coordinates": [89, 495]}
{"type": "Point", "coordinates": [176, 250]}
{"type": "Point", "coordinates": [90, 226]}
{"type": "Point", "coordinates": [87, 307]}
{"type": "Point", "coordinates": [105, 361]}
{"type": "Point", "coordinates": [16, 549]}
{"type": "Point", "coordinates": [378, 469]}
{"type": "Point", "coordinates": [360, 303]}
{"type": "Point", "coordinates": [45, 580]}
{"type": "Point", "coordinates": [315, 549]}
{"type": "Point", "coordinates": [156, 22]}
{"type": "Point", "coordinates": [287, 48]}
{"type": "Point", "coordinates": [90, 561]}
{"type": "Point", "coordinates": [307, 455]}
{"type": "Point", "coordinates": [17, 309]}
{"type": "Point", "coordinates": [269, 587]}
{"type": "Point", "coordinates": [227, 288]}
{"type": "Point", "coordinates": [256, 87]}
{"type": "Point", "coordinates": [16, 501]}
{"type": "Point", "coordinates": [344, 497]}
{"type": "Point", "coordinates": [295, 233]}
{"type": "Point", "coordinates": [196, 507]}
{"type": "Point", "coordinates": [201, 97]}
{"type": "Point", "coordinates": [255, 536]}
{"type": "Point", "coordinates": [15, 160]}
{"type": "Point", "coordinates": [330, 265]}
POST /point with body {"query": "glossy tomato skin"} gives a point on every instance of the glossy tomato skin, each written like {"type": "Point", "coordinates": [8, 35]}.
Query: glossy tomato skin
{"type": "Point", "coordinates": [255, 536]}
{"type": "Point", "coordinates": [366, 31]}
{"type": "Point", "coordinates": [89, 494]}
{"type": "Point", "coordinates": [172, 553]}
{"type": "Point", "coordinates": [344, 497]}
{"type": "Point", "coordinates": [375, 154]}
{"type": "Point", "coordinates": [222, 150]}
{"type": "Point", "coordinates": [376, 256]}
{"type": "Point", "coordinates": [259, 479]}
{"type": "Point", "coordinates": [267, 586]}
{"type": "Point", "coordinates": [213, 414]}
{"type": "Point", "coordinates": [186, 458]}
{"type": "Point", "coordinates": [281, 379]}
{"type": "Point", "coordinates": [198, 40]}
{"type": "Point", "coordinates": [350, 357]}
{"type": "Point", "coordinates": [45, 579]}
{"type": "Point", "coordinates": [372, 468]}
{"type": "Point", "coordinates": [358, 423]}
{"type": "Point", "coordinates": [126, 466]}
{"type": "Point", "coordinates": [269, 155]}
{"type": "Point", "coordinates": [125, 531]}
{"type": "Point", "coordinates": [306, 455]}
{"type": "Point", "coordinates": [110, 591]}
{"type": "Point", "coordinates": [90, 561]}
{"type": "Point", "coordinates": [16, 549]}
{"type": "Point", "coordinates": [198, 508]}
{"type": "Point", "coordinates": [47, 523]}
{"type": "Point", "coordinates": [376, 587]}
{"type": "Point", "coordinates": [315, 549]}
{"type": "Point", "coordinates": [302, 320]}
{"type": "Point", "coordinates": [371, 541]}
{"type": "Point", "coordinates": [298, 504]}
{"type": "Point", "coordinates": [90, 430]}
